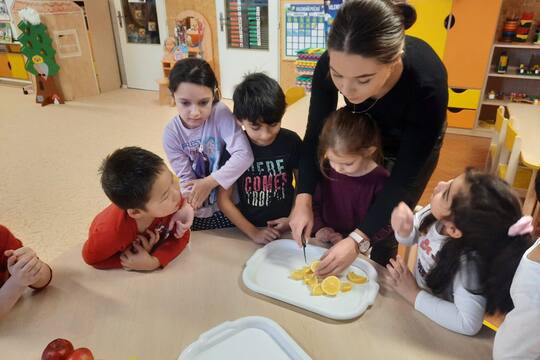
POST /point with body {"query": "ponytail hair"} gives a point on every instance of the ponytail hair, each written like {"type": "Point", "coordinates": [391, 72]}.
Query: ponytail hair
{"type": "Point", "coordinates": [483, 212]}
{"type": "Point", "coordinates": [371, 28]}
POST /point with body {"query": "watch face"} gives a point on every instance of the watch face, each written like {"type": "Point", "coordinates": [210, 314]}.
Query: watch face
{"type": "Point", "coordinates": [364, 246]}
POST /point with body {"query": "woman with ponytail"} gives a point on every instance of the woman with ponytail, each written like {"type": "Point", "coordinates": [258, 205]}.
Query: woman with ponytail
{"type": "Point", "coordinates": [402, 84]}
{"type": "Point", "coordinates": [470, 241]}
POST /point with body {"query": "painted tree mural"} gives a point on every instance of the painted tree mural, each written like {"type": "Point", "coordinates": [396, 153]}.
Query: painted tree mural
{"type": "Point", "coordinates": [37, 47]}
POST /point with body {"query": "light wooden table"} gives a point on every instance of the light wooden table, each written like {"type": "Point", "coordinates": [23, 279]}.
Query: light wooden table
{"type": "Point", "coordinates": [527, 125]}
{"type": "Point", "coordinates": [156, 315]}
{"type": "Point", "coordinates": [295, 117]}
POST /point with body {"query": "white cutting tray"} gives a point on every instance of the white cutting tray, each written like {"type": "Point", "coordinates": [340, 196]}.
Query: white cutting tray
{"type": "Point", "coordinates": [248, 338]}
{"type": "Point", "coordinates": [267, 272]}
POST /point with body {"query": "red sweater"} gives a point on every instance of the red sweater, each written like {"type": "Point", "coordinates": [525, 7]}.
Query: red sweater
{"type": "Point", "coordinates": [113, 231]}
{"type": "Point", "coordinates": [7, 242]}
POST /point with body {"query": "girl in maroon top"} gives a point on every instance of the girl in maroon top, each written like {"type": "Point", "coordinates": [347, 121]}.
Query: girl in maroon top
{"type": "Point", "coordinates": [349, 149]}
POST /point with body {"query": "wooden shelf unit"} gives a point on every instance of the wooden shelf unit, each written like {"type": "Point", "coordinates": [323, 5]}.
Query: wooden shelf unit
{"type": "Point", "coordinates": [518, 53]}
{"type": "Point", "coordinates": [517, 45]}
{"type": "Point", "coordinates": [512, 74]}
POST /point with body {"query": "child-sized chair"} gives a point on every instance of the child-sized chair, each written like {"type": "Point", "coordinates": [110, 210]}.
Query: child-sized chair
{"type": "Point", "coordinates": [495, 148]}
{"type": "Point", "coordinates": [294, 94]}
{"type": "Point", "coordinates": [512, 172]}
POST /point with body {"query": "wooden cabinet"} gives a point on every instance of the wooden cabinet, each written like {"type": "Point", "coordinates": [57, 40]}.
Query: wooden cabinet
{"type": "Point", "coordinates": [429, 25]}
{"type": "Point", "coordinates": [17, 63]}
{"type": "Point", "coordinates": [469, 40]}
{"type": "Point", "coordinates": [12, 62]}
{"type": "Point", "coordinates": [463, 98]}
{"type": "Point", "coordinates": [5, 71]}
{"type": "Point", "coordinates": [461, 33]}
{"type": "Point", "coordinates": [461, 118]}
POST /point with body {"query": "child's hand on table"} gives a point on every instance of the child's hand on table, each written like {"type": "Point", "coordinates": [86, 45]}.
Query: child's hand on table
{"type": "Point", "coordinates": [199, 190]}
{"type": "Point", "coordinates": [264, 235]}
{"type": "Point", "coordinates": [402, 280]}
{"type": "Point", "coordinates": [24, 266]}
{"type": "Point", "coordinates": [402, 220]}
{"type": "Point", "coordinates": [281, 224]}
{"type": "Point", "coordinates": [183, 219]}
{"type": "Point", "coordinates": [137, 258]}
{"type": "Point", "coordinates": [148, 243]}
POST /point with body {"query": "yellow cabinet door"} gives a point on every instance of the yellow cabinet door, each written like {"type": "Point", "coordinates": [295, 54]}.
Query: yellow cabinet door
{"type": "Point", "coordinates": [17, 66]}
{"type": "Point", "coordinates": [5, 71]}
{"type": "Point", "coordinates": [463, 98]}
{"type": "Point", "coordinates": [429, 25]}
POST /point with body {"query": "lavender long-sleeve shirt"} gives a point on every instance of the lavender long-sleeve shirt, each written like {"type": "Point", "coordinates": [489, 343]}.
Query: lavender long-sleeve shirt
{"type": "Point", "coordinates": [196, 153]}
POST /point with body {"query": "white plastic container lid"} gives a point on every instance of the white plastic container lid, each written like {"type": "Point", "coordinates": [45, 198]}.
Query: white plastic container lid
{"type": "Point", "coordinates": [248, 338]}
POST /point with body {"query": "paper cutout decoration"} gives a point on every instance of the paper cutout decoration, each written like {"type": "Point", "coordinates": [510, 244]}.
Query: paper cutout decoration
{"type": "Point", "coordinates": [37, 47]}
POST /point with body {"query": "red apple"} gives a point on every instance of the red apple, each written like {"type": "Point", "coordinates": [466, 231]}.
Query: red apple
{"type": "Point", "coordinates": [58, 349]}
{"type": "Point", "coordinates": [81, 354]}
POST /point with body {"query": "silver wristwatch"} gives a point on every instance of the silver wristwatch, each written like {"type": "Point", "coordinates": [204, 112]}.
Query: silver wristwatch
{"type": "Point", "coordinates": [363, 244]}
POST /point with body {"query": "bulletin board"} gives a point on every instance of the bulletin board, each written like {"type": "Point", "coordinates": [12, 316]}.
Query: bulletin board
{"type": "Point", "coordinates": [331, 8]}
{"type": "Point", "coordinates": [304, 28]}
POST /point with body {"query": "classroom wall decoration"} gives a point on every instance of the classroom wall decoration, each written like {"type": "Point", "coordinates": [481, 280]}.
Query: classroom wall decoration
{"type": "Point", "coordinates": [247, 24]}
{"type": "Point", "coordinates": [189, 35]}
{"type": "Point", "coordinates": [4, 13]}
{"type": "Point", "coordinates": [5, 33]}
{"type": "Point", "coordinates": [331, 8]}
{"type": "Point", "coordinates": [304, 28]}
{"type": "Point", "coordinates": [37, 47]}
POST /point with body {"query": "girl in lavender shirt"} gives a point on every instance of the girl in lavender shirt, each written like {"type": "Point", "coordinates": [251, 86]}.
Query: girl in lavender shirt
{"type": "Point", "coordinates": [196, 138]}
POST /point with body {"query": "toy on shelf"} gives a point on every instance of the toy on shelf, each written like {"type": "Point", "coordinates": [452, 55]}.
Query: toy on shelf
{"type": "Point", "coordinates": [503, 63]}
{"type": "Point", "coordinates": [509, 29]}
{"type": "Point", "coordinates": [37, 47]}
{"type": "Point", "coordinates": [167, 63]}
{"type": "Point", "coordinates": [523, 98]}
{"type": "Point", "coordinates": [533, 69]}
{"type": "Point", "coordinates": [305, 66]}
{"type": "Point", "coordinates": [522, 32]}
{"type": "Point", "coordinates": [492, 95]}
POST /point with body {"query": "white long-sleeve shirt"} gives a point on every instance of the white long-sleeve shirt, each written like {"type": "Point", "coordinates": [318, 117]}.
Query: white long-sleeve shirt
{"type": "Point", "coordinates": [466, 312]}
{"type": "Point", "coordinates": [519, 335]}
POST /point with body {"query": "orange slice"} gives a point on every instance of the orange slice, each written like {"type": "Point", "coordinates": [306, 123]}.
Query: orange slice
{"type": "Point", "coordinates": [346, 286]}
{"type": "Point", "coordinates": [357, 279]}
{"type": "Point", "coordinates": [331, 285]}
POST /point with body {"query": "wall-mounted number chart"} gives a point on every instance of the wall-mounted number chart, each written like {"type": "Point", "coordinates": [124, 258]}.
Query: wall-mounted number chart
{"type": "Point", "coordinates": [304, 28]}
{"type": "Point", "coordinates": [247, 24]}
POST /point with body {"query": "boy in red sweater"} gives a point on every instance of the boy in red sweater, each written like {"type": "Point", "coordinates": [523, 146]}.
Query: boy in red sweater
{"type": "Point", "coordinates": [19, 268]}
{"type": "Point", "coordinates": [147, 224]}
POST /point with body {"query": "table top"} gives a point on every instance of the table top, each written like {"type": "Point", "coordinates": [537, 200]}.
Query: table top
{"type": "Point", "coordinates": [527, 125]}
{"type": "Point", "coordinates": [118, 314]}
{"type": "Point", "coordinates": [295, 117]}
